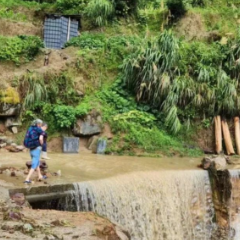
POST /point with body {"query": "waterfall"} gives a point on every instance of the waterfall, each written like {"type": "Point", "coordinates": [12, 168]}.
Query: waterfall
{"type": "Point", "coordinates": [235, 204]}
{"type": "Point", "coordinates": [158, 205]}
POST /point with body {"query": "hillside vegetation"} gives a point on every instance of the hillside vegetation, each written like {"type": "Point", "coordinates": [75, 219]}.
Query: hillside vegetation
{"type": "Point", "coordinates": [158, 71]}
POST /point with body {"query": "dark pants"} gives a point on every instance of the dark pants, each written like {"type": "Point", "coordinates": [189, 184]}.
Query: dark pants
{"type": "Point", "coordinates": [44, 147]}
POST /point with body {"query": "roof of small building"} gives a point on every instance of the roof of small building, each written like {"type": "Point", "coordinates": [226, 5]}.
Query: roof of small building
{"type": "Point", "coordinates": [56, 15]}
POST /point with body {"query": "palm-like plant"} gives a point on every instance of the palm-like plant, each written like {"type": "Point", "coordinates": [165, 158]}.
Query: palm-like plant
{"type": "Point", "coordinates": [154, 73]}
{"type": "Point", "coordinates": [33, 90]}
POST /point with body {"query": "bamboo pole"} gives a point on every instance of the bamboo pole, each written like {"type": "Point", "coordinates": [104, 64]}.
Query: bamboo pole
{"type": "Point", "coordinates": [237, 134]}
{"type": "Point", "coordinates": [227, 138]}
{"type": "Point", "coordinates": [218, 134]}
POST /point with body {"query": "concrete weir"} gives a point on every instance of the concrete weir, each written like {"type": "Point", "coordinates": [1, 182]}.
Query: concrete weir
{"type": "Point", "coordinates": [44, 193]}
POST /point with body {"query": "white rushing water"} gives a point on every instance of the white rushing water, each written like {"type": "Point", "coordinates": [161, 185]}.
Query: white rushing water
{"type": "Point", "coordinates": [160, 205]}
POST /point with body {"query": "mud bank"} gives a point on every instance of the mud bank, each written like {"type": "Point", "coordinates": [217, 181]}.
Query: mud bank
{"type": "Point", "coordinates": [19, 221]}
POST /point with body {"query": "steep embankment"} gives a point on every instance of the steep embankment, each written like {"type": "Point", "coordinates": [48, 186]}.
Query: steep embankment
{"type": "Point", "coordinates": [155, 106]}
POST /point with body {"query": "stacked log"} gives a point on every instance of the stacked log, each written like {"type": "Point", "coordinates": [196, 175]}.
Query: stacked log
{"type": "Point", "coordinates": [237, 134]}
{"type": "Point", "coordinates": [227, 138]}
{"type": "Point", "coordinates": [218, 134]}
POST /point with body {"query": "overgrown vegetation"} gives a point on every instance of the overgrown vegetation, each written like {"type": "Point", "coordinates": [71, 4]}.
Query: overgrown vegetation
{"type": "Point", "coordinates": [19, 49]}
{"type": "Point", "coordinates": [10, 14]}
{"type": "Point", "coordinates": [9, 95]}
{"type": "Point", "coordinates": [185, 80]}
{"type": "Point", "coordinates": [160, 82]}
{"type": "Point", "coordinates": [135, 126]}
{"type": "Point", "coordinates": [53, 98]}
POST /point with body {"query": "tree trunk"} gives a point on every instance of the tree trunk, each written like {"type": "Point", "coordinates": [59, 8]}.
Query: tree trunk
{"type": "Point", "coordinates": [237, 134]}
{"type": "Point", "coordinates": [227, 138]}
{"type": "Point", "coordinates": [218, 134]}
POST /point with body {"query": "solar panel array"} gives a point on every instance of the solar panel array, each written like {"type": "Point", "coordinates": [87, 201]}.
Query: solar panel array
{"type": "Point", "coordinates": [56, 31]}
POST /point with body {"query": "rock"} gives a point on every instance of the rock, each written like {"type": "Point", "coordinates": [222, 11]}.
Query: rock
{"type": "Point", "coordinates": [12, 122]}
{"type": "Point", "coordinates": [10, 225]}
{"type": "Point", "coordinates": [92, 143]}
{"type": "Point", "coordinates": [14, 130]}
{"type": "Point", "coordinates": [12, 149]}
{"type": "Point", "coordinates": [43, 165]}
{"type": "Point", "coordinates": [121, 234]}
{"type": "Point", "coordinates": [9, 141]}
{"type": "Point", "coordinates": [107, 132]}
{"type": "Point", "coordinates": [27, 228]}
{"type": "Point", "coordinates": [20, 148]}
{"type": "Point", "coordinates": [79, 93]}
{"type": "Point", "coordinates": [49, 237]}
{"type": "Point", "coordinates": [13, 174]}
{"type": "Point", "coordinates": [13, 144]}
{"type": "Point", "coordinates": [3, 139]}
{"type": "Point", "coordinates": [8, 110]}
{"type": "Point", "coordinates": [91, 125]}
{"type": "Point", "coordinates": [15, 215]}
{"type": "Point", "coordinates": [86, 128]}
{"type": "Point", "coordinates": [70, 145]}
{"type": "Point", "coordinates": [18, 198]}
{"type": "Point", "coordinates": [2, 145]}
{"type": "Point", "coordinates": [7, 172]}
{"type": "Point", "coordinates": [217, 162]}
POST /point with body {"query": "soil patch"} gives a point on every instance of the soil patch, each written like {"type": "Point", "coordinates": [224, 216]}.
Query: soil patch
{"type": "Point", "coordinates": [56, 145]}
{"type": "Point", "coordinates": [59, 60]}
{"type": "Point", "coordinates": [12, 28]}
{"type": "Point", "coordinates": [191, 27]}
{"type": "Point", "coordinates": [205, 139]}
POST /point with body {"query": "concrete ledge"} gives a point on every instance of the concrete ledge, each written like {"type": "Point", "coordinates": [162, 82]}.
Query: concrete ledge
{"type": "Point", "coordinates": [44, 193]}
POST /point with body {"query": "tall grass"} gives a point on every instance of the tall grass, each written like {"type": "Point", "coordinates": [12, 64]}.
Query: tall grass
{"type": "Point", "coordinates": [185, 80]}
{"type": "Point", "coordinates": [99, 11]}
{"type": "Point", "coordinates": [33, 90]}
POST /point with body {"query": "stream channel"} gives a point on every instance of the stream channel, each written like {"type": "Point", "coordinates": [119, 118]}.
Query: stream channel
{"type": "Point", "coordinates": [152, 198]}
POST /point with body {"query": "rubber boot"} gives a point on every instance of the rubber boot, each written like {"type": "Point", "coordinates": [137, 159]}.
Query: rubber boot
{"type": "Point", "coordinates": [44, 155]}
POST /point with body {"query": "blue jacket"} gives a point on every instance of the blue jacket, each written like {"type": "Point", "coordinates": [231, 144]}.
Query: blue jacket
{"type": "Point", "coordinates": [31, 139]}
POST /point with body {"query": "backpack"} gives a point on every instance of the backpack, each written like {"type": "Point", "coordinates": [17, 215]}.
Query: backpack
{"type": "Point", "coordinates": [31, 139]}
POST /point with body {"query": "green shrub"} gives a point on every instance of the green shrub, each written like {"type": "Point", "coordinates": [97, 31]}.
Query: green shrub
{"type": "Point", "coordinates": [134, 116]}
{"type": "Point", "coordinates": [61, 89]}
{"type": "Point", "coordinates": [64, 116]}
{"type": "Point", "coordinates": [71, 6]}
{"type": "Point", "coordinates": [116, 47]}
{"type": "Point", "coordinates": [58, 116]}
{"type": "Point", "coordinates": [88, 40]}
{"type": "Point", "coordinates": [19, 49]}
{"type": "Point", "coordinates": [10, 14]}
{"type": "Point", "coordinates": [16, 3]}
{"type": "Point", "coordinates": [116, 101]}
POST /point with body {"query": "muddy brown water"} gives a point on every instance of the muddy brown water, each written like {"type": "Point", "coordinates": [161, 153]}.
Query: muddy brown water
{"type": "Point", "coordinates": [152, 198]}
{"type": "Point", "coordinates": [85, 167]}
